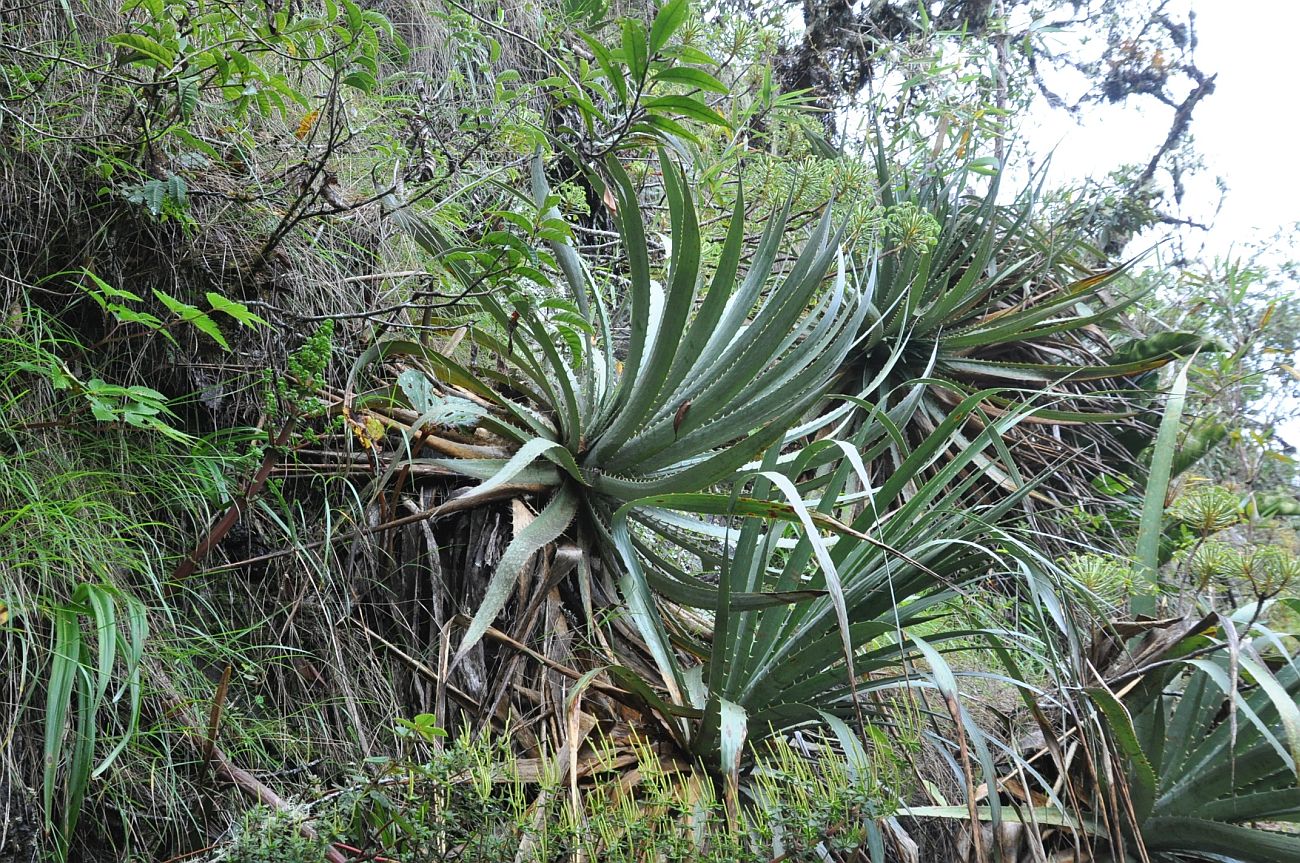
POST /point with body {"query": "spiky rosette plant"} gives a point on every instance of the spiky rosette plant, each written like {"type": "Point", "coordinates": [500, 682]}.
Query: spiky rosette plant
{"type": "Point", "coordinates": [718, 368]}
{"type": "Point", "coordinates": [1211, 745]}
{"type": "Point", "coordinates": [967, 293]}
{"type": "Point", "coordinates": [1198, 747]}
{"type": "Point", "coordinates": [769, 579]}
{"type": "Point", "coordinates": [814, 607]}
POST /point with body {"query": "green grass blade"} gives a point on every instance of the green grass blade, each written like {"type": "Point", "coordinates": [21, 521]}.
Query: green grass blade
{"type": "Point", "coordinates": [1151, 522]}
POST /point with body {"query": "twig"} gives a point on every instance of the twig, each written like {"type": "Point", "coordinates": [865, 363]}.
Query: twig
{"type": "Point", "coordinates": [411, 662]}
{"type": "Point", "coordinates": [214, 721]}
{"type": "Point", "coordinates": [227, 769]}
{"type": "Point", "coordinates": [231, 516]}
{"type": "Point", "coordinates": [1182, 119]}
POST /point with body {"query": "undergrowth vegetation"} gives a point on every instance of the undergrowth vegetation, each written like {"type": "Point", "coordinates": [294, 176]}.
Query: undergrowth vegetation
{"type": "Point", "coordinates": [434, 431]}
{"type": "Point", "coordinates": [476, 800]}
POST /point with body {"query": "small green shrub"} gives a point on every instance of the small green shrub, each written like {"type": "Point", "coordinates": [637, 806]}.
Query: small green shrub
{"type": "Point", "coordinates": [296, 394]}
{"type": "Point", "coordinates": [271, 836]}
{"type": "Point", "coordinates": [474, 801]}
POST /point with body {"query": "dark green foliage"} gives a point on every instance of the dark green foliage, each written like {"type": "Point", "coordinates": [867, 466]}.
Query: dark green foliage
{"type": "Point", "coordinates": [994, 296]}
{"type": "Point", "coordinates": [691, 402]}
{"type": "Point", "coordinates": [1212, 774]}
{"type": "Point", "coordinates": [701, 481]}
{"type": "Point", "coordinates": [473, 801]}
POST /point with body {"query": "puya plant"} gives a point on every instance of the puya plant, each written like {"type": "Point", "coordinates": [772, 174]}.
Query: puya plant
{"type": "Point", "coordinates": [815, 607]}
{"type": "Point", "coordinates": [716, 371]}
{"type": "Point", "coordinates": [972, 293]}
{"type": "Point", "coordinates": [712, 412]}
{"type": "Point", "coordinates": [1210, 740]}
{"type": "Point", "coordinates": [1197, 718]}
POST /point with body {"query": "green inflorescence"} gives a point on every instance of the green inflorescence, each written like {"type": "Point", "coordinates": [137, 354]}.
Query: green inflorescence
{"type": "Point", "coordinates": [306, 371]}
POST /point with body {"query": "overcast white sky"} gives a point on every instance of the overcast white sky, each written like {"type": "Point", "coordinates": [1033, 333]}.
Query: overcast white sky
{"type": "Point", "coordinates": [1247, 133]}
{"type": "Point", "coordinates": [1246, 130]}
